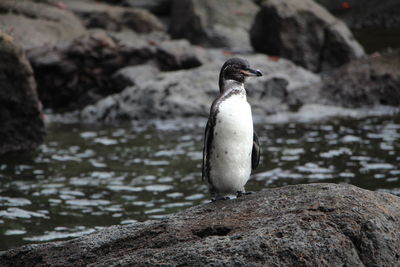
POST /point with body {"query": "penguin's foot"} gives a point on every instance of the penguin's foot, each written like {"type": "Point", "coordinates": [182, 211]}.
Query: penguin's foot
{"type": "Point", "coordinates": [240, 193]}
{"type": "Point", "coordinates": [219, 198]}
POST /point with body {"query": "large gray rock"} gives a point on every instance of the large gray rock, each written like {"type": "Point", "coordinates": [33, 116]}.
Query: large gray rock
{"type": "Point", "coordinates": [366, 82]}
{"type": "Point", "coordinates": [223, 23]}
{"type": "Point", "coordinates": [114, 18]}
{"type": "Point", "coordinates": [133, 75]}
{"type": "Point", "coordinates": [21, 122]}
{"type": "Point", "coordinates": [302, 225]}
{"type": "Point", "coordinates": [304, 32]}
{"type": "Point", "coordinates": [78, 73]}
{"type": "Point", "coordinates": [189, 93]}
{"type": "Point", "coordinates": [178, 54]}
{"type": "Point", "coordinates": [34, 24]}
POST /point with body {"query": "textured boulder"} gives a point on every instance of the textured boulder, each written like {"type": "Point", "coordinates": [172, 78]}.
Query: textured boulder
{"type": "Point", "coordinates": [366, 82]}
{"type": "Point", "coordinates": [166, 95]}
{"type": "Point", "coordinates": [302, 225]}
{"type": "Point", "coordinates": [21, 124]}
{"type": "Point", "coordinates": [175, 55]}
{"type": "Point", "coordinates": [188, 93]}
{"type": "Point", "coordinates": [78, 73]}
{"type": "Point", "coordinates": [304, 32]}
{"type": "Point", "coordinates": [34, 24]}
{"type": "Point", "coordinates": [213, 23]}
{"type": "Point", "coordinates": [114, 18]}
{"type": "Point", "coordinates": [133, 75]}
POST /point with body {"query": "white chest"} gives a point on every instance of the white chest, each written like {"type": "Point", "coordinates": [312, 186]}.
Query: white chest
{"type": "Point", "coordinates": [232, 145]}
{"type": "Point", "coordinates": [234, 118]}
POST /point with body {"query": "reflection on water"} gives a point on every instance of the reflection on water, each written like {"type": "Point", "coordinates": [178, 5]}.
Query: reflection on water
{"type": "Point", "coordinates": [84, 178]}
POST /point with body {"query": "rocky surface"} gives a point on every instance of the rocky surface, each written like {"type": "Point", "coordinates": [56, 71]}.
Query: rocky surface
{"type": "Point", "coordinates": [213, 23]}
{"type": "Point", "coordinates": [33, 24]}
{"type": "Point", "coordinates": [21, 124]}
{"type": "Point", "coordinates": [79, 73]}
{"type": "Point", "coordinates": [178, 54]}
{"type": "Point", "coordinates": [133, 75]}
{"type": "Point", "coordinates": [305, 33]}
{"type": "Point", "coordinates": [75, 74]}
{"type": "Point", "coordinates": [76, 67]}
{"type": "Point", "coordinates": [302, 225]}
{"type": "Point", "coordinates": [114, 18]}
{"type": "Point", "coordinates": [158, 7]}
{"type": "Point", "coordinates": [367, 82]}
{"type": "Point", "coordinates": [189, 93]}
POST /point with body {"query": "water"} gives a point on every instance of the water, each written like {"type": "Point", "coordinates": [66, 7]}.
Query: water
{"type": "Point", "coordinates": [84, 178]}
{"type": "Point", "coordinates": [374, 40]}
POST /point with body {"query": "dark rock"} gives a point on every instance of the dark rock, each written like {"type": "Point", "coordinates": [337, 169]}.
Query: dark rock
{"type": "Point", "coordinates": [114, 18]}
{"type": "Point", "coordinates": [73, 75]}
{"type": "Point", "coordinates": [366, 14]}
{"type": "Point", "coordinates": [133, 75]}
{"type": "Point", "coordinates": [269, 94]}
{"type": "Point", "coordinates": [21, 122]}
{"type": "Point", "coordinates": [366, 82]}
{"type": "Point", "coordinates": [132, 40]}
{"type": "Point", "coordinates": [188, 93]}
{"type": "Point", "coordinates": [167, 54]}
{"type": "Point", "coordinates": [213, 23]}
{"type": "Point", "coordinates": [175, 55]}
{"type": "Point", "coordinates": [302, 225]}
{"type": "Point", "coordinates": [34, 24]}
{"type": "Point", "coordinates": [164, 96]}
{"type": "Point", "coordinates": [304, 32]}
{"type": "Point", "coordinates": [158, 7]}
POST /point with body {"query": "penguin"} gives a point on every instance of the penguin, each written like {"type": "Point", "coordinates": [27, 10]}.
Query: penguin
{"type": "Point", "coordinates": [231, 147]}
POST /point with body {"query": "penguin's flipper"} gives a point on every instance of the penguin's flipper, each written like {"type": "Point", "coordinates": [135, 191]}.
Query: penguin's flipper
{"type": "Point", "coordinates": [208, 136]}
{"type": "Point", "coordinates": [255, 154]}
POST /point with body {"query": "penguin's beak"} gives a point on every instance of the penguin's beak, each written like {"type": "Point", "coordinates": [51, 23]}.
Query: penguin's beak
{"type": "Point", "coordinates": [251, 72]}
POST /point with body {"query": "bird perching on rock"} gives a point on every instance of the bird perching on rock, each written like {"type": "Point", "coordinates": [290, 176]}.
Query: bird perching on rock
{"type": "Point", "coordinates": [231, 148]}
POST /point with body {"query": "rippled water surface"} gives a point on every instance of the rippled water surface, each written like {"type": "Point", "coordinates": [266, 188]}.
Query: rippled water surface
{"type": "Point", "coordinates": [84, 178]}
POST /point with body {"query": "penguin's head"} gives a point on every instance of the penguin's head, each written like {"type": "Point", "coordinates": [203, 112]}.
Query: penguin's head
{"type": "Point", "coordinates": [236, 69]}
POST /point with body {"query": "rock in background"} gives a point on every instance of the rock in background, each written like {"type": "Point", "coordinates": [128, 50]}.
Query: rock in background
{"type": "Point", "coordinates": [178, 54]}
{"type": "Point", "coordinates": [34, 24]}
{"type": "Point", "coordinates": [213, 23]}
{"type": "Point", "coordinates": [305, 33]}
{"type": "Point", "coordinates": [158, 7]}
{"type": "Point", "coordinates": [301, 225]}
{"type": "Point", "coordinates": [21, 123]}
{"type": "Point", "coordinates": [114, 18]}
{"type": "Point", "coordinates": [188, 93]}
{"type": "Point", "coordinates": [366, 13]}
{"type": "Point", "coordinates": [127, 67]}
{"type": "Point", "coordinates": [367, 82]}
{"type": "Point", "coordinates": [73, 75]}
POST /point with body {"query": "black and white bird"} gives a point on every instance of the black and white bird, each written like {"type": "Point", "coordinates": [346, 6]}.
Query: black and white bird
{"type": "Point", "coordinates": [231, 147]}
